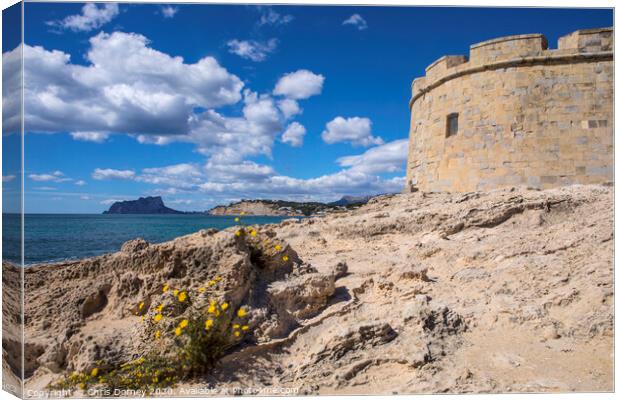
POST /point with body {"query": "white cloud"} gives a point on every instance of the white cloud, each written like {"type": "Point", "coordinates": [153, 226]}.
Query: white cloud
{"type": "Point", "coordinates": [169, 11]}
{"type": "Point", "coordinates": [294, 134]}
{"type": "Point", "coordinates": [389, 157]}
{"type": "Point", "coordinates": [183, 176]}
{"type": "Point", "coordinates": [289, 108]}
{"type": "Point", "coordinates": [109, 173]}
{"type": "Point", "coordinates": [252, 49]}
{"type": "Point", "coordinates": [93, 16]}
{"type": "Point", "coordinates": [80, 182]}
{"type": "Point", "coordinates": [300, 84]}
{"type": "Point", "coordinates": [127, 87]}
{"type": "Point", "coordinates": [230, 139]}
{"type": "Point", "coordinates": [355, 130]}
{"type": "Point", "coordinates": [245, 171]}
{"type": "Point", "coordinates": [356, 20]}
{"type": "Point", "coordinates": [97, 137]}
{"type": "Point", "coordinates": [271, 17]}
{"type": "Point", "coordinates": [56, 176]}
{"type": "Point", "coordinates": [180, 201]}
{"type": "Point", "coordinates": [84, 197]}
{"type": "Point", "coordinates": [45, 188]}
{"type": "Point", "coordinates": [7, 178]}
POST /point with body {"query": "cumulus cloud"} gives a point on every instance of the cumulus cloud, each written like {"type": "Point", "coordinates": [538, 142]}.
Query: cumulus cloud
{"type": "Point", "coordinates": [183, 176]}
{"type": "Point", "coordinates": [300, 84]}
{"type": "Point", "coordinates": [230, 139]}
{"type": "Point", "coordinates": [97, 137]}
{"type": "Point", "coordinates": [389, 157]}
{"type": "Point", "coordinates": [245, 171]}
{"type": "Point", "coordinates": [8, 178]}
{"type": "Point", "coordinates": [356, 130]}
{"type": "Point", "coordinates": [127, 87]}
{"type": "Point", "coordinates": [289, 108]}
{"type": "Point", "coordinates": [252, 49]}
{"type": "Point", "coordinates": [181, 201]}
{"type": "Point", "coordinates": [169, 11]}
{"type": "Point", "coordinates": [294, 134]}
{"type": "Point", "coordinates": [56, 176]}
{"type": "Point", "coordinates": [360, 174]}
{"type": "Point", "coordinates": [109, 173]}
{"type": "Point", "coordinates": [357, 21]}
{"type": "Point", "coordinates": [93, 16]}
{"type": "Point", "coordinates": [271, 17]}
{"type": "Point", "coordinates": [80, 182]}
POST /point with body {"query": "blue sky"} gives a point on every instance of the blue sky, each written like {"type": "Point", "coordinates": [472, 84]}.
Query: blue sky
{"type": "Point", "coordinates": [207, 104]}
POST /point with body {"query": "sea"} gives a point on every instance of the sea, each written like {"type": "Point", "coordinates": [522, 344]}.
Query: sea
{"type": "Point", "coordinates": [60, 237]}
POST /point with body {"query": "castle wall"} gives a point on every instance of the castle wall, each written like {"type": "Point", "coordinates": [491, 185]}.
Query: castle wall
{"type": "Point", "coordinates": [526, 115]}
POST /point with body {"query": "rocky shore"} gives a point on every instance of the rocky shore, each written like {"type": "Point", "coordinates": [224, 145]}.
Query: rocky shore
{"type": "Point", "coordinates": [504, 291]}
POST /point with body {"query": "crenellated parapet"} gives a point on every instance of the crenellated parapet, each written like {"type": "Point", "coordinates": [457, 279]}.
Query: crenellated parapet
{"type": "Point", "coordinates": [512, 51]}
{"type": "Point", "coordinates": [514, 112]}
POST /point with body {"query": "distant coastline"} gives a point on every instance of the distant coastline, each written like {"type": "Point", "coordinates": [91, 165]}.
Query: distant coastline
{"type": "Point", "coordinates": [279, 208]}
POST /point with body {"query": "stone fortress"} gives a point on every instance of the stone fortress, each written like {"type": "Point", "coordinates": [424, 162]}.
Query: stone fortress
{"type": "Point", "coordinates": [515, 113]}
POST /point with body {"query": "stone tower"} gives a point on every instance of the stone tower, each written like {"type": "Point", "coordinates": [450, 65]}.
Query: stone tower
{"type": "Point", "coordinates": [515, 113]}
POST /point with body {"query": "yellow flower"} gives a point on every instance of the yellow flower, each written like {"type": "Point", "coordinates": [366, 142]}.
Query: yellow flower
{"type": "Point", "coordinates": [157, 334]}
{"type": "Point", "coordinates": [175, 292]}
{"type": "Point", "coordinates": [238, 233]}
{"type": "Point", "coordinates": [237, 333]}
{"type": "Point", "coordinates": [217, 278]}
{"type": "Point", "coordinates": [155, 379]}
{"type": "Point", "coordinates": [165, 288]}
{"type": "Point", "coordinates": [285, 258]}
{"type": "Point", "coordinates": [94, 372]}
{"type": "Point", "coordinates": [211, 309]}
{"type": "Point", "coordinates": [236, 219]}
{"type": "Point", "coordinates": [160, 307]}
{"type": "Point", "coordinates": [224, 306]}
{"type": "Point", "coordinates": [241, 312]}
{"type": "Point", "coordinates": [82, 386]}
{"type": "Point", "coordinates": [217, 313]}
{"type": "Point", "coordinates": [182, 297]}
{"type": "Point", "coordinates": [245, 328]}
{"type": "Point", "coordinates": [242, 213]}
{"type": "Point", "coordinates": [278, 247]}
{"type": "Point", "coordinates": [178, 331]}
{"type": "Point", "coordinates": [157, 317]}
{"type": "Point", "coordinates": [211, 283]}
{"type": "Point", "coordinates": [141, 306]}
{"type": "Point", "coordinates": [236, 326]}
{"type": "Point", "coordinates": [183, 323]}
{"type": "Point", "coordinates": [253, 233]}
{"type": "Point", "coordinates": [202, 290]}
{"type": "Point", "coordinates": [208, 324]}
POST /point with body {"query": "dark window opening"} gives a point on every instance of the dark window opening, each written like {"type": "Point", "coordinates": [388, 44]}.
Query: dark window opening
{"type": "Point", "coordinates": [452, 124]}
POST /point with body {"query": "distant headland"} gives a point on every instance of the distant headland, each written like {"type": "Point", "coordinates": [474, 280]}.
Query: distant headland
{"type": "Point", "coordinates": [155, 205]}
{"type": "Point", "coordinates": [144, 205]}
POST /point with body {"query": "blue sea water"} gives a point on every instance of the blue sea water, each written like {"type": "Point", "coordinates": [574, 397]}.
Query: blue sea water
{"type": "Point", "coordinates": [57, 237]}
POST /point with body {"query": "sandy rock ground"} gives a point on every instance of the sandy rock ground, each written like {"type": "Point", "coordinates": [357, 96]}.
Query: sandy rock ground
{"type": "Point", "coordinates": [505, 291]}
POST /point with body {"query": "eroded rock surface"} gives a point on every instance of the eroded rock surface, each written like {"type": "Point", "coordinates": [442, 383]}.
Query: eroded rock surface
{"type": "Point", "coordinates": [510, 290]}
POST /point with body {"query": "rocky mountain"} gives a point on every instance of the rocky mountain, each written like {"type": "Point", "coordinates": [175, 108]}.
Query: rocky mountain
{"type": "Point", "coordinates": [349, 200]}
{"type": "Point", "coordinates": [144, 205]}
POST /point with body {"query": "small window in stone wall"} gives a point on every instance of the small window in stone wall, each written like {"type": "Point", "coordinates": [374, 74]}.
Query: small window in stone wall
{"type": "Point", "coordinates": [452, 124]}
